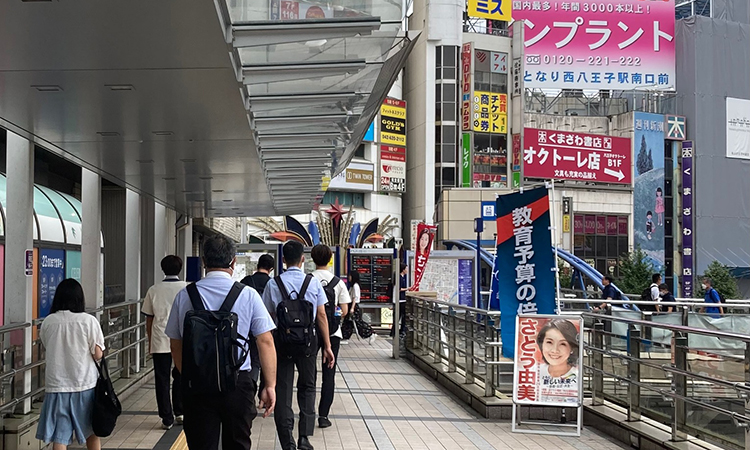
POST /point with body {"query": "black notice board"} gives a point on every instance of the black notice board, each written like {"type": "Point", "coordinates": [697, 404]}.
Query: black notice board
{"type": "Point", "coordinates": [375, 276]}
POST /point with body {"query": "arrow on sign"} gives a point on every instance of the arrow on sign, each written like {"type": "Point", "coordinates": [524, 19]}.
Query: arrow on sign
{"type": "Point", "coordinates": [619, 175]}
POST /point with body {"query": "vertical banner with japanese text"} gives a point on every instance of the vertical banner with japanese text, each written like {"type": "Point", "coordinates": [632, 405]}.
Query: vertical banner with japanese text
{"type": "Point", "coordinates": [467, 88]}
{"type": "Point", "coordinates": [425, 236]}
{"type": "Point", "coordinates": [466, 160]}
{"type": "Point", "coordinates": [393, 146]}
{"type": "Point", "coordinates": [524, 260]}
{"type": "Point", "coordinates": [547, 369]}
{"type": "Point", "coordinates": [648, 188]}
{"type": "Point", "coordinates": [687, 219]}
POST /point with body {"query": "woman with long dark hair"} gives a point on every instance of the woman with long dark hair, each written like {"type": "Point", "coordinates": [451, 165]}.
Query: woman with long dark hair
{"type": "Point", "coordinates": [355, 319]}
{"type": "Point", "coordinates": [73, 340]}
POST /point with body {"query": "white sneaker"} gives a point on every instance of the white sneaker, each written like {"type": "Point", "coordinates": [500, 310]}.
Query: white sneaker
{"type": "Point", "coordinates": [166, 427]}
{"type": "Point", "coordinates": [372, 338]}
{"type": "Point", "coordinates": [345, 341]}
{"type": "Point", "coordinates": [178, 420]}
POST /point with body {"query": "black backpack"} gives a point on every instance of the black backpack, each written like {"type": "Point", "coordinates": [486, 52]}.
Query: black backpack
{"type": "Point", "coordinates": [107, 406]}
{"type": "Point", "coordinates": [295, 328]}
{"type": "Point", "coordinates": [646, 297]}
{"type": "Point", "coordinates": [212, 351]}
{"type": "Point", "coordinates": [330, 289]}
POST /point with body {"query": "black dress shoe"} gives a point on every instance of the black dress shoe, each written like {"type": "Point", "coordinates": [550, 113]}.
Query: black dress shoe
{"type": "Point", "coordinates": [304, 444]}
{"type": "Point", "coordinates": [323, 422]}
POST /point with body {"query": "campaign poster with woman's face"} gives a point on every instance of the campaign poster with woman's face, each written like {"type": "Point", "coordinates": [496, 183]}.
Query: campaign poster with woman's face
{"type": "Point", "coordinates": [547, 363]}
{"type": "Point", "coordinates": [425, 236]}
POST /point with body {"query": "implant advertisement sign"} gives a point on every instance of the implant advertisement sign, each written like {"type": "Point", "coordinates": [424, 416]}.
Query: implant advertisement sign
{"type": "Point", "coordinates": [617, 44]}
{"type": "Point", "coordinates": [550, 154]}
{"type": "Point", "coordinates": [392, 146]}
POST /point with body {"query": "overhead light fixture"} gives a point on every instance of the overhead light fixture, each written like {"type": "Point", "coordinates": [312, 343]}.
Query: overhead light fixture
{"type": "Point", "coordinates": [107, 133]}
{"type": "Point", "coordinates": [145, 161]}
{"type": "Point", "coordinates": [227, 200]}
{"type": "Point", "coordinates": [120, 87]}
{"type": "Point", "coordinates": [206, 178]}
{"type": "Point", "coordinates": [235, 209]}
{"type": "Point", "coordinates": [163, 133]}
{"type": "Point", "coordinates": [218, 190]}
{"type": "Point", "coordinates": [169, 178]}
{"type": "Point", "coordinates": [47, 87]}
{"type": "Point", "coordinates": [188, 160]}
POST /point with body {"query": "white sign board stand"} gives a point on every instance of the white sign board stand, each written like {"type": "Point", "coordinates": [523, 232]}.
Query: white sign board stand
{"type": "Point", "coordinates": [548, 370]}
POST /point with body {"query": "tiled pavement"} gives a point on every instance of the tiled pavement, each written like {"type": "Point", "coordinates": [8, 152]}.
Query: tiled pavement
{"type": "Point", "coordinates": [380, 404]}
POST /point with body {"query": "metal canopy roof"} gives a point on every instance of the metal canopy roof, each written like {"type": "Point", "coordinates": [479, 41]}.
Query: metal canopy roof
{"type": "Point", "coordinates": [213, 108]}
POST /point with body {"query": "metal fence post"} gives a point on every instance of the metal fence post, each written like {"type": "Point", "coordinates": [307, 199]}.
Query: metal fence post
{"type": "Point", "coordinates": [747, 399]}
{"type": "Point", "coordinates": [489, 367]}
{"type": "Point", "coordinates": [597, 392]}
{"type": "Point", "coordinates": [452, 340]}
{"type": "Point", "coordinates": [469, 321]}
{"type": "Point", "coordinates": [634, 375]}
{"type": "Point", "coordinates": [438, 356]}
{"type": "Point", "coordinates": [680, 387]}
{"type": "Point", "coordinates": [426, 328]}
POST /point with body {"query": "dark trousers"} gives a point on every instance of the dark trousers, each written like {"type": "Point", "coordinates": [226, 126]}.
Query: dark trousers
{"type": "Point", "coordinates": [229, 415]}
{"type": "Point", "coordinates": [329, 380]}
{"type": "Point", "coordinates": [401, 318]}
{"type": "Point", "coordinates": [168, 409]}
{"type": "Point", "coordinates": [283, 415]}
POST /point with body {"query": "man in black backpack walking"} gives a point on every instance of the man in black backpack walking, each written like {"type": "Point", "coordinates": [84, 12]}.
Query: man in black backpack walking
{"type": "Point", "coordinates": [337, 307]}
{"type": "Point", "coordinates": [297, 302]}
{"type": "Point", "coordinates": [260, 278]}
{"type": "Point", "coordinates": [220, 399]}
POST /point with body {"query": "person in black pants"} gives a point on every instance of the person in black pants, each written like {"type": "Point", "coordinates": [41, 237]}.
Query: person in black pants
{"type": "Point", "coordinates": [156, 307]}
{"type": "Point", "coordinates": [337, 295]}
{"type": "Point", "coordinates": [296, 285]}
{"type": "Point", "coordinates": [403, 287]}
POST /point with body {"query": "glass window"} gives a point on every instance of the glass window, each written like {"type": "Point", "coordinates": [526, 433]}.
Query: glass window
{"type": "Point", "coordinates": [605, 249]}
{"type": "Point", "coordinates": [449, 112]}
{"type": "Point", "coordinates": [449, 153]}
{"type": "Point", "coordinates": [449, 92]}
{"type": "Point", "coordinates": [438, 56]}
{"type": "Point", "coordinates": [449, 134]}
{"type": "Point", "coordinates": [449, 73]}
{"type": "Point", "coordinates": [438, 179]}
{"type": "Point", "coordinates": [438, 93]}
{"type": "Point", "coordinates": [449, 176]}
{"type": "Point", "coordinates": [360, 152]}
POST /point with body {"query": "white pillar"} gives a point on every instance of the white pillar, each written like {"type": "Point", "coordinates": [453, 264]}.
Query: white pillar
{"type": "Point", "coordinates": [185, 244]}
{"type": "Point", "coordinates": [91, 227]}
{"type": "Point", "coordinates": [160, 239]}
{"type": "Point", "coordinates": [19, 237]}
{"type": "Point", "coordinates": [132, 245]}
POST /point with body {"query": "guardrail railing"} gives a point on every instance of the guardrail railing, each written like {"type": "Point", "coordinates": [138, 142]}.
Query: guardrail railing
{"type": "Point", "coordinates": [684, 369]}
{"type": "Point", "coordinates": [127, 353]}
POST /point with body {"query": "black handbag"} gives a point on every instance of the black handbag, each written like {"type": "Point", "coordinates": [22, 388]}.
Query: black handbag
{"type": "Point", "coordinates": [106, 404]}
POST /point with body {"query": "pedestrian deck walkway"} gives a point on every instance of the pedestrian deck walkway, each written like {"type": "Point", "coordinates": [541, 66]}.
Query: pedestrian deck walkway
{"type": "Point", "coordinates": [380, 404]}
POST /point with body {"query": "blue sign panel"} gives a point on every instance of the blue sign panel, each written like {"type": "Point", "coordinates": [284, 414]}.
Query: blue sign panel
{"type": "Point", "coordinates": [488, 210]}
{"type": "Point", "coordinates": [370, 135]}
{"type": "Point", "coordinates": [51, 273]}
{"type": "Point", "coordinates": [465, 287]}
{"type": "Point", "coordinates": [524, 262]}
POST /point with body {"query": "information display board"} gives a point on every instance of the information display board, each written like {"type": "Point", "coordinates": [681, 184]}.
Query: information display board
{"type": "Point", "coordinates": [375, 274]}
{"type": "Point", "coordinates": [51, 273]}
{"type": "Point", "coordinates": [450, 274]}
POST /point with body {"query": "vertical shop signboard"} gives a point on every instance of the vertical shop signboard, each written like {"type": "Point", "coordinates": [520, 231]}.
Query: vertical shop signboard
{"type": "Point", "coordinates": [490, 112]}
{"type": "Point", "coordinates": [524, 260]}
{"type": "Point", "coordinates": [466, 160]}
{"type": "Point", "coordinates": [51, 273]}
{"type": "Point", "coordinates": [466, 86]}
{"type": "Point", "coordinates": [393, 146]}
{"type": "Point", "coordinates": [687, 219]}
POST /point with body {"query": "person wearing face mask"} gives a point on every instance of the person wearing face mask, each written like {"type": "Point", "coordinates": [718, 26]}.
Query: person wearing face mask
{"type": "Point", "coordinates": [712, 296]}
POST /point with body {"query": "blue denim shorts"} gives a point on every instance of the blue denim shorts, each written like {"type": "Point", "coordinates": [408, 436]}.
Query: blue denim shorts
{"type": "Point", "coordinates": [66, 416]}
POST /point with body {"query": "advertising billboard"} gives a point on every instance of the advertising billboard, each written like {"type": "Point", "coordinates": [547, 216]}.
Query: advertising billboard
{"type": "Point", "coordinates": [490, 9]}
{"type": "Point", "coordinates": [648, 187]}
{"type": "Point", "coordinates": [626, 45]}
{"type": "Point", "coordinates": [51, 273]}
{"type": "Point", "coordinates": [687, 220]}
{"type": "Point", "coordinates": [547, 369]}
{"type": "Point", "coordinates": [490, 112]}
{"type": "Point", "coordinates": [393, 146]}
{"type": "Point", "coordinates": [738, 128]}
{"type": "Point", "coordinates": [356, 177]}
{"type": "Point", "coordinates": [466, 86]}
{"type": "Point", "coordinates": [576, 156]}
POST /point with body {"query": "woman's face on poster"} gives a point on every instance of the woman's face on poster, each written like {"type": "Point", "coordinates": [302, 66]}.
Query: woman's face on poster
{"type": "Point", "coordinates": [424, 242]}
{"type": "Point", "coordinates": [555, 348]}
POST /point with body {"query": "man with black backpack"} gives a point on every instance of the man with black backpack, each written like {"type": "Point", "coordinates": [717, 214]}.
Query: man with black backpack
{"type": "Point", "coordinates": [258, 281]}
{"type": "Point", "coordinates": [298, 303]}
{"type": "Point", "coordinates": [336, 308]}
{"type": "Point", "coordinates": [209, 326]}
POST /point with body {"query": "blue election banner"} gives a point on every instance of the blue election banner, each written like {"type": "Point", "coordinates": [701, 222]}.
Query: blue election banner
{"type": "Point", "coordinates": [488, 211]}
{"type": "Point", "coordinates": [465, 285]}
{"type": "Point", "coordinates": [51, 273]}
{"type": "Point", "coordinates": [524, 260]}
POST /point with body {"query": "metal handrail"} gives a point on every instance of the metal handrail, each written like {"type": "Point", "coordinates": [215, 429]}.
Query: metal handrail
{"type": "Point", "coordinates": [456, 306]}
{"type": "Point", "coordinates": [14, 326]}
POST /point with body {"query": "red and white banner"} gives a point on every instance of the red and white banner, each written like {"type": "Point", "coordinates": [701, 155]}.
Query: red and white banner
{"type": "Point", "coordinates": [566, 155]}
{"type": "Point", "coordinates": [425, 236]}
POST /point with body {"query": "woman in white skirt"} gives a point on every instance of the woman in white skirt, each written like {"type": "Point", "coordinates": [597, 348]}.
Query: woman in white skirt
{"type": "Point", "coordinates": [72, 340]}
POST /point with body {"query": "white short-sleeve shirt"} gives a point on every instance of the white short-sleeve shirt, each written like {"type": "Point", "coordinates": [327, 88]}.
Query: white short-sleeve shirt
{"type": "Point", "coordinates": [158, 304]}
{"type": "Point", "coordinates": [252, 317]}
{"type": "Point", "coordinates": [342, 295]}
{"type": "Point", "coordinates": [70, 340]}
